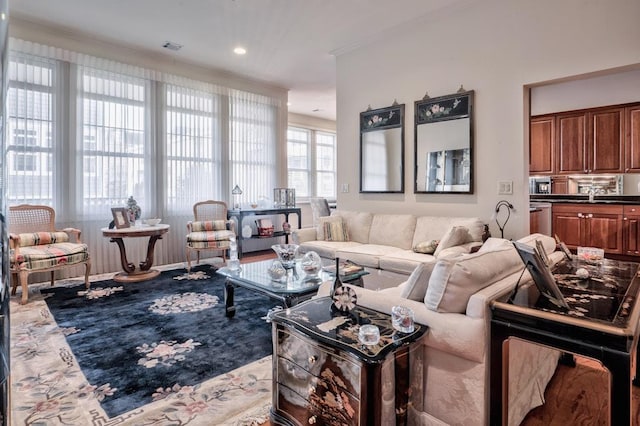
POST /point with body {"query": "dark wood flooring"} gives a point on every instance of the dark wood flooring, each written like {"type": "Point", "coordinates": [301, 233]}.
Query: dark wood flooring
{"type": "Point", "coordinates": [575, 395]}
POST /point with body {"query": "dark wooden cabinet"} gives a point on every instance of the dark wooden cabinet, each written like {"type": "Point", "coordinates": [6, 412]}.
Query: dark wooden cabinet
{"type": "Point", "coordinates": [605, 141]}
{"type": "Point", "coordinates": [631, 230]}
{"type": "Point", "coordinates": [596, 140]}
{"type": "Point", "coordinates": [541, 154]}
{"type": "Point", "coordinates": [322, 376]}
{"type": "Point", "coordinates": [559, 185]}
{"type": "Point", "coordinates": [589, 225]}
{"type": "Point", "coordinates": [571, 139]}
{"type": "Point", "coordinates": [632, 139]}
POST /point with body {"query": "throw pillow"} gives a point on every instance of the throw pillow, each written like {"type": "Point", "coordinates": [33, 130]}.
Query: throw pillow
{"type": "Point", "coordinates": [455, 236]}
{"type": "Point", "coordinates": [454, 281]}
{"type": "Point", "coordinates": [426, 247]}
{"type": "Point", "coordinates": [415, 287]}
{"type": "Point", "coordinates": [320, 236]}
{"type": "Point", "coordinates": [334, 230]}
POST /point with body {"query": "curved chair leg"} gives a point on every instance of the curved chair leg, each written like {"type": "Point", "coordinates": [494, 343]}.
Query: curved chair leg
{"type": "Point", "coordinates": [87, 271]}
{"type": "Point", "coordinates": [14, 283]}
{"type": "Point", "coordinates": [188, 250]}
{"type": "Point", "coordinates": [53, 277]}
{"type": "Point", "coordinates": [24, 281]}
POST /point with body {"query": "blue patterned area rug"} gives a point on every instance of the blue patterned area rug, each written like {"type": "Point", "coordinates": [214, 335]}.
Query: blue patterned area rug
{"type": "Point", "coordinates": [137, 343]}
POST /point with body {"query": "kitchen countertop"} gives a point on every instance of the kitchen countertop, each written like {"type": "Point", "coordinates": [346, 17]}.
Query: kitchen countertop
{"type": "Point", "coordinates": [597, 199]}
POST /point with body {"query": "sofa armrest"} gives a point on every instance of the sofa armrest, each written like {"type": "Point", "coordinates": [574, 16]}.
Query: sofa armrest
{"type": "Point", "coordinates": [303, 235]}
{"type": "Point", "coordinates": [75, 232]}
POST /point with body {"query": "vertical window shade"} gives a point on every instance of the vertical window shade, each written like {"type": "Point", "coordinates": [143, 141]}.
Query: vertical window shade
{"type": "Point", "coordinates": [326, 165]}
{"type": "Point", "coordinates": [299, 160]}
{"type": "Point", "coordinates": [252, 151]}
{"type": "Point", "coordinates": [112, 137]}
{"type": "Point", "coordinates": [192, 148]}
{"type": "Point", "coordinates": [31, 131]}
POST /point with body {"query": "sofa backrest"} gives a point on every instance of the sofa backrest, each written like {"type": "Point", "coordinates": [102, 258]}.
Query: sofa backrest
{"type": "Point", "coordinates": [394, 230]}
{"type": "Point", "coordinates": [358, 224]}
{"type": "Point", "coordinates": [434, 227]}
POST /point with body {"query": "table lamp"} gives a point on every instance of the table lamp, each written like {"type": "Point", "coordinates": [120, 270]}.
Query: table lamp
{"type": "Point", "coordinates": [236, 192]}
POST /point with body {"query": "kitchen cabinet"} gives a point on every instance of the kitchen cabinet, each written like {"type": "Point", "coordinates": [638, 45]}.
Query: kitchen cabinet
{"type": "Point", "coordinates": [631, 230]}
{"type": "Point", "coordinates": [589, 225]}
{"type": "Point", "coordinates": [541, 153]}
{"type": "Point", "coordinates": [632, 139]}
{"type": "Point", "coordinates": [590, 141]}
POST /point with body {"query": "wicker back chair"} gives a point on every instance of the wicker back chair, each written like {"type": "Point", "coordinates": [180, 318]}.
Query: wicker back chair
{"type": "Point", "coordinates": [37, 246]}
{"type": "Point", "coordinates": [210, 229]}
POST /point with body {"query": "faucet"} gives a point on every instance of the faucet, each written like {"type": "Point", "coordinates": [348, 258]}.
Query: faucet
{"type": "Point", "coordinates": [591, 194]}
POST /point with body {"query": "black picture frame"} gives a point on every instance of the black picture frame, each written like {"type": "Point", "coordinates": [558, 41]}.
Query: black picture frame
{"type": "Point", "coordinates": [382, 131]}
{"type": "Point", "coordinates": [120, 217]}
{"type": "Point", "coordinates": [541, 274]}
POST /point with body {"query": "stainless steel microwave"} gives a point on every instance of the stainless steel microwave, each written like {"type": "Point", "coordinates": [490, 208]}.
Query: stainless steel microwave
{"type": "Point", "coordinates": [540, 185]}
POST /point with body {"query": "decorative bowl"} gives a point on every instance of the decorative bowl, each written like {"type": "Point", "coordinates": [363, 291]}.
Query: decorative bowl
{"type": "Point", "coordinates": [311, 264]}
{"type": "Point", "coordinates": [287, 253]}
{"type": "Point", "coordinates": [153, 221]}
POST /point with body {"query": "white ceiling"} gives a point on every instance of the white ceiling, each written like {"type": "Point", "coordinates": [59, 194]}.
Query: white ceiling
{"type": "Point", "coordinates": [290, 43]}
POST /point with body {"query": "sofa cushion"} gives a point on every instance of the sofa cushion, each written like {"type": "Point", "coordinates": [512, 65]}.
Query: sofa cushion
{"type": "Point", "coordinates": [335, 230]}
{"type": "Point", "coordinates": [454, 280]}
{"type": "Point", "coordinates": [326, 249]}
{"type": "Point", "coordinates": [434, 227]}
{"type": "Point", "coordinates": [455, 236]}
{"type": "Point", "coordinates": [366, 254]}
{"type": "Point", "coordinates": [404, 261]}
{"type": "Point", "coordinates": [415, 287]}
{"type": "Point", "coordinates": [393, 230]}
{"type": "Point", "coordinates": [358, 224]}
{"type": "Point", "coordinates": [426, 247]}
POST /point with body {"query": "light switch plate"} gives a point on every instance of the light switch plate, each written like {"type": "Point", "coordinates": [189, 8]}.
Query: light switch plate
{"type": "Point", "coordinates": [345, 188]}
{"type": "Point", "coordinates": [505, 187]}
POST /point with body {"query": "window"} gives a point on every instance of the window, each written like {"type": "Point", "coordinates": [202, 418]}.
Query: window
{"type": "Point", "coordinates": [31, 97]}
{"type": "Point", "coordinates": [311, 158]}
{"type": "Point", "coordinates": [113, 131]}
{"type": "Point", "coordinates": [253, 146]}
{"type": "Point", "coordinates": [192, 148]}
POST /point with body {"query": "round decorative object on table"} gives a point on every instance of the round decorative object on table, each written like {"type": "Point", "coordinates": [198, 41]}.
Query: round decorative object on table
{"type": "Point", "coordinates": [276, 270]}
{"type": "Point", "coordinates": [287, 253]}
{"type": "Point", "coordinates": [286, 227]}
{"type": "Point", "coordinates": [369, 334]}
{"type": "Point", "coordinates": [311, 264]}
{"type": "Point", "coordinates": [247, 231]}
{"type": "Point", "coordinates": [344, 299]}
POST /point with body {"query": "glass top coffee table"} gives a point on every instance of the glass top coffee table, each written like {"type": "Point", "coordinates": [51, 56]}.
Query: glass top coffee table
{"type": "Point", "coordinates": [295, 289]}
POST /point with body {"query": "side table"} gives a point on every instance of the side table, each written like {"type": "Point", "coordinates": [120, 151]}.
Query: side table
{"type": "Point", "coordinates": [322, 374]}
{"type": "Point", "coordinates": [130, 273]}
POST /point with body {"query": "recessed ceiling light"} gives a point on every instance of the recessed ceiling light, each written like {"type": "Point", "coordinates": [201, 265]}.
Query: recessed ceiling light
{"type": "Point", "coordinates": [171, 45]}
{"type": "Point", "coordinates": [239, 50]}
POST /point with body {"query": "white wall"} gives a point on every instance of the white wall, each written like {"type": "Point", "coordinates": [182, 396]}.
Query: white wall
{"type": "Point", "coordinates": [497, 48]}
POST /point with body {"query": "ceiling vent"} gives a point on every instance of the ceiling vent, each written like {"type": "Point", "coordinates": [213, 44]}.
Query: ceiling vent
{"type": "Point", "coordinates": [172, 46]}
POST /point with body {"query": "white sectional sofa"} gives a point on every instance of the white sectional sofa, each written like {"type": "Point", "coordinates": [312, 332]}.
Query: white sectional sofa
{"type": "Point", "coordinates": [386, 241]}
{"type": "Point", "coordinates": [453, 298]}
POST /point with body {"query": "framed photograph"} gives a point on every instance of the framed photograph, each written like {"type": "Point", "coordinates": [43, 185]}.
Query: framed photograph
{"type": "Point", "coordinates": [541, 274]}
{"type": "Point", "coordinates": [120, 217]}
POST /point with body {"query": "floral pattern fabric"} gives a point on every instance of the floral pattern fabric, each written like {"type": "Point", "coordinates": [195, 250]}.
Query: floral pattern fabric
{"type": "Point", "coordinates": [48, 386]}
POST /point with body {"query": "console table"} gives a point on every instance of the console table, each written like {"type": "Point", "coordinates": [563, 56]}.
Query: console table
{"type": "Point", "coordinates": [240, 214]}
{"type": "Point", "coordinates": [322, 374]}
{"type": "Point", "coordinates": [602, 323]}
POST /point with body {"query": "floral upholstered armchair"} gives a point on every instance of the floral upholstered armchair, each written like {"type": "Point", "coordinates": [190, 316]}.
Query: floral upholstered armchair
{"type": "Point", "coordinates": [37, 246]}
{"type": "Point", "coordinates": [210, 230]}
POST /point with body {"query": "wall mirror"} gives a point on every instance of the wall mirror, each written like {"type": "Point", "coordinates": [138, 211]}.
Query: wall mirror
{"type": "Point", "coordinates": [382, 150]}
{"type": "Point", "coordinates": [444, 144]}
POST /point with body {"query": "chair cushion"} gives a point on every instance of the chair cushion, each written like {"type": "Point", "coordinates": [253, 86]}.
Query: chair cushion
{"type": "Point", "coordinates": [454, 236]}
{"type": "Point", "coordinates": [42, 238]}
{"type": "Point", "coordinates": [50, 255]}
{"type": "Point", "coordinates": [209, 225]}
{"type": "Point", "coordinates": [209, 239]}
{"type": "Point", "coordinates": [416, 286]}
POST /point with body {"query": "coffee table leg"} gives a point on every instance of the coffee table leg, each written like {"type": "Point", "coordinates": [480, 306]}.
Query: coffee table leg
{"type": "Point", "coordinates": [228, 299]}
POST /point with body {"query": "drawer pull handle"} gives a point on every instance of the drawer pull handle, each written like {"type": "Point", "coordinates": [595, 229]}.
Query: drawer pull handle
{"type": "Point", "coordinates": [580, 215]}
{"type": "Point", "coordinates": [312, 359]}
{"type": "Point", "coordinates": [312, 420]}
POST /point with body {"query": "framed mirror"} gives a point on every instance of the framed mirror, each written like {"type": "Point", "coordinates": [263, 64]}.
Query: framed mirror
{"type": "Point", "coordinates": [382, 150]}
{"type": "Point", "coordinates": [444, 144]}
